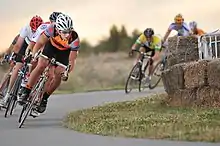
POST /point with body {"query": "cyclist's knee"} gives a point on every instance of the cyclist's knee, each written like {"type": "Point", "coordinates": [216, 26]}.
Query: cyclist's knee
{"type": "Point", "coordinates": [42, 63]}
{"type": "Point", "coordinates": [58, 72]}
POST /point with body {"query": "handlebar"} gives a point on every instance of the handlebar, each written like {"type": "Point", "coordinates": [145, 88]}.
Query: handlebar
{"type": "Point", "coordinates": [145, 54]}
{"type": "Point", "coordinates": [67, 68]}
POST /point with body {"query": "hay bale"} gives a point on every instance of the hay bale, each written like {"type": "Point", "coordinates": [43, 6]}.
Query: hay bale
{"type": "Point", "coordinates": [175, 58]}
{"type": "Point", "coordinates": [213, 73]}
{"type": "Point", "coordinates": [179, 43]}
{"type": "Point", "coordinates": [208, 96]}
{"type": "Point", "coordinates": [182, 49]}
{"type": "Point", "coordinates": [182, 97]}
{"type": "Point", "coordinates": [195, 74]}
{"type": "Point", "coordinates": [173, 78]}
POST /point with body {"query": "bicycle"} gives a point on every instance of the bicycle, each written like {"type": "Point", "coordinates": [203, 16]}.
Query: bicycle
{"type": "Point", "coordinates": [137, 74]}
{"type": "Point", "coordinates": [12, 101]}
{"type": "Point", "coordinates": [35, 97]}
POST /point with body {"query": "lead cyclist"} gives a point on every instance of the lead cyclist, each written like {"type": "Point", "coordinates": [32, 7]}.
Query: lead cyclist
{"type": "Point", "coordinates": [60, 41]}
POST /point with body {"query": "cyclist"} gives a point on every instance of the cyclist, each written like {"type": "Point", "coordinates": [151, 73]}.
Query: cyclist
{"type": "Point", "coordinates": [179, 25]}
{"type": "Point", "coordinates": [20, 48]}
{"type": "Point", "coordinates": [35, 37]}
{"type": "Point", "coordinates": [195, 30]}
{"type": "Point", "coordinates": [60, 41]}
{"type": "Point", "coordinates": [148, 42]}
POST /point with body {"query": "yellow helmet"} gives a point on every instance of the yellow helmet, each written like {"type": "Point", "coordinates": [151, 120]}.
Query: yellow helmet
{"type": "Point", "coordinates": [179, 19]}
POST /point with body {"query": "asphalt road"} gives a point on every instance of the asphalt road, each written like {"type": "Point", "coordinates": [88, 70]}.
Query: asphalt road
{"type": "Point", "coordinates": [46, 130]}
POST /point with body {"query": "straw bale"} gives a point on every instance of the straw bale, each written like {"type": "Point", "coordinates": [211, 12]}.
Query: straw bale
{"type": "Point", "coordinates": [195, 74]}
{"type": "Point", "coordinates": [208, 96]}
{"type": "Point", "coordinates": [175, 58]}
{"type": "Point", "coordinates": [182, 97]}
{"type": "Point", "coordinates": [213, 73]}
{"type": "Point", "coordinates": [179, 43]}
{"type": "Point", "coordinates": [173, 78]}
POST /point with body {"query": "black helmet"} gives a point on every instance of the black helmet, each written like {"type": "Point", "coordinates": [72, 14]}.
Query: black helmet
{"type": "Point", "coordinates": [148, 32]}
{"type": "Point", "coordinates": [54, 15]}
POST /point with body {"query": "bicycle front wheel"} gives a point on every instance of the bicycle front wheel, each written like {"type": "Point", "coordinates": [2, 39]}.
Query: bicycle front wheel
{"type": "Point", "coordinates": [133, 77]}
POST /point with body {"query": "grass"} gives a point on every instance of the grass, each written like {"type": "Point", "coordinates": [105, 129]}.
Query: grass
{"type": "Point", "coordinates": [148, 118]}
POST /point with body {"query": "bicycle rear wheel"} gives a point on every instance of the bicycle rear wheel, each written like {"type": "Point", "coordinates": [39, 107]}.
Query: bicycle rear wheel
{"type": "Point", "coordinates": [156, 77]}
{"type": "Point", "coordinates": [133, 77]}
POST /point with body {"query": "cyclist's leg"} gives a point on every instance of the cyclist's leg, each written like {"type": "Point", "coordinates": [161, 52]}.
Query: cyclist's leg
{"type": "Point", "coordinates": [48, 51]}
{"type": "Point", "coordinates": [15, 70]}
{"type": "Point", "coordinates": [62, 57]}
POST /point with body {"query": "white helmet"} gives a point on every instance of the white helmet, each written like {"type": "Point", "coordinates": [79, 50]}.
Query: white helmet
{"type": "Point", "coordinates": [192, 25]}
{"type": "Point", "coordinates": [64, 22]}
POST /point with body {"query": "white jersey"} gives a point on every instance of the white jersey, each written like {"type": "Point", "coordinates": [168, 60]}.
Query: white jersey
{"type": "Point", "coordinates": [26, 33]}
{"type": "Point", "coordinates": [39, 31]}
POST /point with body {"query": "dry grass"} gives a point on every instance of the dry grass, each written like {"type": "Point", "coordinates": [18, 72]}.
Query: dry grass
{"type": "Point", "coordinates": [148, 118]}
{"type": "Point", "coordinates": [97, 72]}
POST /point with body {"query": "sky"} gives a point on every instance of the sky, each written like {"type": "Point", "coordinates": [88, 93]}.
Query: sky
{"type": "Point", "coordinates": [93, 18]}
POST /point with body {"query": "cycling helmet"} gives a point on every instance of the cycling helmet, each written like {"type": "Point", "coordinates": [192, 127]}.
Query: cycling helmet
{"type": "Point", "coordinates": [148, 32]}
{"type": "Point", "coordinates": [35, 22]}
{"type": "Point", "coordinates": [53, 16]}
{"type": "Point", "coordinates": [64, 22]}
{"type": "Point", "coordinates": [193, 25]}
{"type": "Point", "coordinates": [179, 19]}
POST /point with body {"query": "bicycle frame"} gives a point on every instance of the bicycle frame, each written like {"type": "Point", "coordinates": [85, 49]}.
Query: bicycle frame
{"type": "Point", "coordinates": [37, 92]}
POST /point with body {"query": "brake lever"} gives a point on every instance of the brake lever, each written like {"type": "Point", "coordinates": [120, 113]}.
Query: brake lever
{"type": "Point", "coordinates": [65, 75]}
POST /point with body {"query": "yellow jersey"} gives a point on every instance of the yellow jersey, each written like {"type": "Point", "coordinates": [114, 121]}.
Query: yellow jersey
{"type": "Point", "coordinates": [156, 43]}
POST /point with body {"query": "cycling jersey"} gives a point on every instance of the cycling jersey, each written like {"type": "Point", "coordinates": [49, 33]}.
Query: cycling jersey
{"type": "Point", "coordinates": [154, 45]}
{"type": "Point", "coordinates": [182, 31]}
{"type": "Point", "coordinates": [39, 31]}
{"type": "Point", "coordinates": [61, 44]}
{"type": "Point", "coordinates": [26, 33]}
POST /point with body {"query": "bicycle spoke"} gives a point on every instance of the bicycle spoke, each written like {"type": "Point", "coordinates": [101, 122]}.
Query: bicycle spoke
{"type": "Point", "coordinates": [156, 76]}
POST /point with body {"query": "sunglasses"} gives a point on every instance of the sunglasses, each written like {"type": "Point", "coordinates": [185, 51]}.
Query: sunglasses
{"type": "Point", "coordinates": [65, 31]}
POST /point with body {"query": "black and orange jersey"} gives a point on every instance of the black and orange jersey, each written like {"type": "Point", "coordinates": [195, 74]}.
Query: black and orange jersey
{"type": "Point", "coordinates": [71, 43]}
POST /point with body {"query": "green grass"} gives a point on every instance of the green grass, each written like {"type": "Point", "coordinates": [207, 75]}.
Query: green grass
{"type": "Point", "coordinates": [148, 118]}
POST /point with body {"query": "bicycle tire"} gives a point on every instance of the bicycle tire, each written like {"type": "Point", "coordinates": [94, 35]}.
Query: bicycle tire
{"type": "Point", "coordinates": [137, 65]}
{"type": "Point", "coordinates": [22, 112]}
{"type": "Point", "coordinates": [14, 104]}
{"type": "Point", "coordinates": [157, 82]}
{"type": "Point", "coordinates": [13, 94]}
{"type": "Point", "coordinates": [141, 77]}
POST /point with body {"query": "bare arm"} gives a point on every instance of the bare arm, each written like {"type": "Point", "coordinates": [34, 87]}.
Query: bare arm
{"type": "Point", "coordinates": [43, 39]}
{"type": "Point", "coordinates": [166, 35]}
{"type": "Point", "coordinates": [72, 59]}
